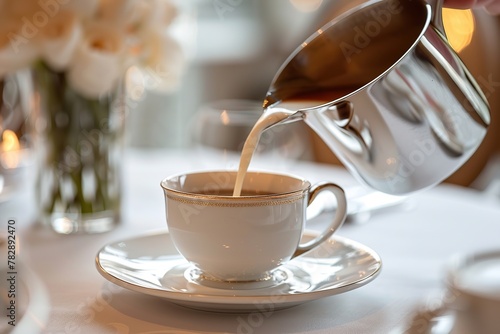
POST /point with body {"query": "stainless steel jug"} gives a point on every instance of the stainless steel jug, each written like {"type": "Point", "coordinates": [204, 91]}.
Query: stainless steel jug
{"type": "Point", "coordinates": [388, 95]}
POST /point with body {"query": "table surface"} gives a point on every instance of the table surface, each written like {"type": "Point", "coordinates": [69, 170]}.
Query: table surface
{"type": "Point", "coordinates": [58, 280]}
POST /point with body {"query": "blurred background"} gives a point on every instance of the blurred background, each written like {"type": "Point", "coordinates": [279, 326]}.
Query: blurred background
{"type": "Point", "coordinates": [235, 47]}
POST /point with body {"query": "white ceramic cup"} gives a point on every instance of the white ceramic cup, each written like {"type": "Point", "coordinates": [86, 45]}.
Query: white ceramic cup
{"type": "Point", "coordinates": [242, 239]}
{"type": "Point", "coordinates": [474, 285]}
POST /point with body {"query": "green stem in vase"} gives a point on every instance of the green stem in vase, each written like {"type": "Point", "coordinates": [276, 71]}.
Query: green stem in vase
{"type": "Point", "coordinates": [79, 144]}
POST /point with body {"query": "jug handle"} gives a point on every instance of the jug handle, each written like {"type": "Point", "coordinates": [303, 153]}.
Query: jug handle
{"type": "Point", "coordinates": [437, 15]}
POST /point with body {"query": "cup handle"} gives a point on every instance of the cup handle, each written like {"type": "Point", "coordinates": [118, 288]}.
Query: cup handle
{"type": "Point", "coordinates": [338, 220]}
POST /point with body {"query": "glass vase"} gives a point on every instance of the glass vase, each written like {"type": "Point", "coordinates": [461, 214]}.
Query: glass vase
{"type": "Point", "coordinates": [15, 141]}
{"type": "Point", "coordinates": [80, 146]}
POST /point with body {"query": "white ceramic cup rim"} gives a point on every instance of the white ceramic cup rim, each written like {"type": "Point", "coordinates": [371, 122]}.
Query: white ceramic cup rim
{"type": "Point", "coordinates": [168, 184]}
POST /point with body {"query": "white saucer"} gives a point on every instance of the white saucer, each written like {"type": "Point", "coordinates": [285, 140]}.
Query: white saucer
{"type": "Point", "coordinates": [32, 303]}
{"type": "Point", "coordinates": [151, 265]}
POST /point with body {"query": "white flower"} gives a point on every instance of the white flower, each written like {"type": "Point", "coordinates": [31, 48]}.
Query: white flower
{"type": "Point", "coordinates": [116, 10]}
{"type": "Point", "coordinates": [97, 65]}
{"type": "Point", "coordinates": [156, 13]}
{"type": "Point", "coordinates": [20, 8]}
{"type": "Point", "coordinates": [136, 15]}
{"type": "Point", "coordinates": [164, 60]}
{"type": "Point", "coordinates": [92, 41]}
{"type": "Point", "coordinates": [16, 51]}
{"type": "Point", "coordinates": [59, 40]}
{"type": "Point", "coordinates": [82, 8]}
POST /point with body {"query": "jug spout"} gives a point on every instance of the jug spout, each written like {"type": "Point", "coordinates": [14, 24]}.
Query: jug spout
{"type": "Point", "coordinates": [283, 116]}
{"type": "Point", "coordinates": [291, 111]}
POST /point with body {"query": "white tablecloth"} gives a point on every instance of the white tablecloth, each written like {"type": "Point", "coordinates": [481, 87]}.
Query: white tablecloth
{"type": "Point", "coordinates": [415, 242]}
